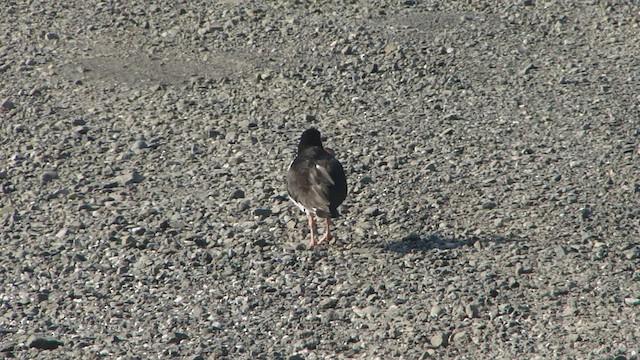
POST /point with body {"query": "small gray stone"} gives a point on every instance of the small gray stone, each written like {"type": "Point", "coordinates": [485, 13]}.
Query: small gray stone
{"type": "Point", "coordinates": [263, 213]}
{"type": "Point", "coordinates": [633, 253]}
{"type": "Point", "coordinates": [560, 251]}
{"type": "Point", "coordinates": [573, 338]}
{"type": "Point", "coordinates": [244, 205]}
{"type": "Point", "coordinates": [575, 163]}
{"type": "Point", "coordinates": [48, 176]}
{"type": "Point", "coordinates": [428, 354]}
{"type": "Point", "coordinates": [231, 136]}
{"type": "Point", "coordinates": [527, 69]}
{"type": "Point", "coordinates": [461, 337]}
{"type": "Point", "coordinates": [7, 104]}
{"type": "Point", "coordinates": [489, 205]}
{"type": "Point", "coordinates": [237, 194]}
{"type": "Point", "coordinates": [138, 146]}
{"type": "Point", "coordinates": [63, 232]}
{"type": "Point", "coordinates": [81, 129]}
{"type": "Point", "coordinates": [177, 338]}
{"type": "Point", "coordinates": [261, 243]}
{"type": "Point", "coordinates": [328, 303]}
{"type": "Point", "coordinates": [632, 301]}
{"type": "Point", "coordinates": [446, 132]}
{"type": "Point", "coordinates": [390, 47]}
{"type": "Point", "coordinates": [372, 211]}
{"type": "Point", "coordinates": [44, 343]}
{"type": "Point", "coordinates": [471, 311]}
{"type": "Point", "coordinates": [436, 311]}
{"type": "Point", "coordinates": [368, 290]}
{"type": "Point", "coordinates": [440, 339]}
{"type": "Point", "coordinates": [520, 270]}
{"type": "Point", "coordinates": [132, 177]}
{"type": "Point", "coordinates": [371, 68]}
{"type": "Point", "coordinates": [365, 180]}
{"type": "Point", "coordinates": [138, 230]}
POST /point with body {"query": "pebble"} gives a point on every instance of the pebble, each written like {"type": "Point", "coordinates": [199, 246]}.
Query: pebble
{"type": "Point", "coordinates": [436, 311]}
{"type": "Point", "coordinates": [44, 343]}
{"type": "Point", "coordinates": [237, 194]}
{"type": "Point", "coordinates": [461, 337]}
{"type": "Point", "coordinates": [471, 311]}
{"type": "Point", "coordinates": [177, 337]}
{"type": "Point", "coordinates": [263, 213]}
{"type": "Point", "coordinates": [138, 146]}
{"type": "Point", "coordinates": [132, 177]}
{"type": "Point", "coordinates": [489, 205]}
{"type": "Point", "coordinates": [7, 104]}
{"type": "Point", "coordinates": [328, 303]}
{"type": "Point", "coordinates": [439, 339]}
{"type": "Point", "coordinates": [633, 253]}
{"type": "Point", "coordinates": [632, 301]}
{"type": "Point", "coordinates": [527, 69]}
{"type": "Point", "coordinates": [561, 252]}
{"type": "Point", "coordinates": [372, 211]}
{"type": "Point", "coordinates": [390, 47]}
{"type": "Point", "coordinates": [365, 180]}
{"type": "Point", "coordinates": [81, 129]}
{"type": "Point", "coordinates": [63, 233]}
{"type": "Point", "coordinates": [48, 176]}
{"type": "Point", "coordinates": [244, 205]}
{"type": "Point", "coordinates": [371, 68]}
{"type": "Point", "coordinates": [573, 338]}
{"type": "Point", "coordinates": [521, 269]}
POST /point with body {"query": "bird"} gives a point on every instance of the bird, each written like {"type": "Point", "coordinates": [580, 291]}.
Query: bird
{"type": "Point", "coordinates": [316, 182]}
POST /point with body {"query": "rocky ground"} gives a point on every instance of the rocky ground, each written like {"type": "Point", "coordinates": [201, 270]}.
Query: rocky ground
{"type": "Point", "coordinates": [491, 150]}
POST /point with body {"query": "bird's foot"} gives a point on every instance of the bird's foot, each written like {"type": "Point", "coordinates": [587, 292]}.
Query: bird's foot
{"type": "Point", "coordinates": [325, 238]}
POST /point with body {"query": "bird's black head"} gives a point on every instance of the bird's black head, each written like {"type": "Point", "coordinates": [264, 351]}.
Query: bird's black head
{"type": "Point", "coordinates": [310, 138]}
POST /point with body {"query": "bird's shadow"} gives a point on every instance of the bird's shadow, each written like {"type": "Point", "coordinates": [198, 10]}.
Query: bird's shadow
{"type": "Point", "coordinates": [414, 243]}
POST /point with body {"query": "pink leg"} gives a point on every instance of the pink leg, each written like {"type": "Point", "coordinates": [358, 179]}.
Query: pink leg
{"type": "Point", "coordinates": [312, 227]}
{"type": "Point", "coordinates": [327, 235]}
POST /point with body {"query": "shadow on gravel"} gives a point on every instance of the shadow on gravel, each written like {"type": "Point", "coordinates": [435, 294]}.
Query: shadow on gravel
{"type": "Point", "coordinates": [413, 243]}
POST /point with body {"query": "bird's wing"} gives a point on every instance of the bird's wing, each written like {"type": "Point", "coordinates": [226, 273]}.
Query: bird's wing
{"type": "Point", "coordinates": [309, 183]}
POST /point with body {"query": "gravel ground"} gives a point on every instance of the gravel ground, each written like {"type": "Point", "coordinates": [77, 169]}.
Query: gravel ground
{"type": "Point", "coordinates": [492, 151]}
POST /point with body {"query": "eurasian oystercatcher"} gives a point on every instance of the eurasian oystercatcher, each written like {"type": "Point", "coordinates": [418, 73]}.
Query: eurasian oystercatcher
{"type": "Point", "coordinates": [316, 182]}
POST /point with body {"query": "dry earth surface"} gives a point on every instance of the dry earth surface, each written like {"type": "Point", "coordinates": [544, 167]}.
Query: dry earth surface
{"type": "Point", "coordinates": [491, 149]}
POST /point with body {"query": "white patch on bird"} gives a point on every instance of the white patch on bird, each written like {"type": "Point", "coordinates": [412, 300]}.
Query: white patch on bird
{"type": "Point", "coordinates": [325, 174]}
{"type": "Point", "coordinates": [300, 206]}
